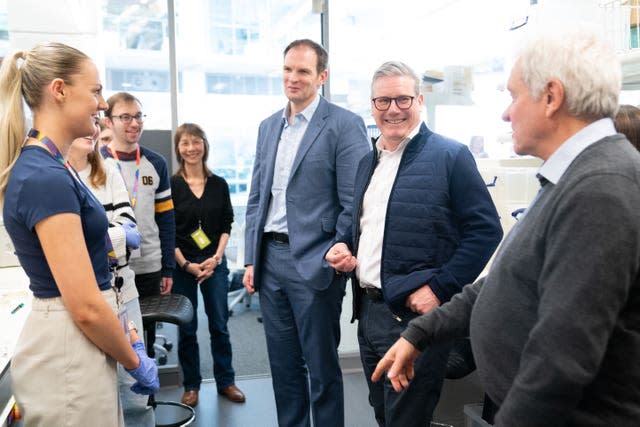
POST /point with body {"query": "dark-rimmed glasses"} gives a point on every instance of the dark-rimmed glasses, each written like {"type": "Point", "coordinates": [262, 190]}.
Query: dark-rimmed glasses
{"type": "Point", "coordinates": [127, 118]}
{"type": "Point", "coordinates": [383, 103]}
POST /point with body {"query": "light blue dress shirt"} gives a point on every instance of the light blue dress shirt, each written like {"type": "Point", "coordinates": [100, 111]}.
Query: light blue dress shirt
{"type": "Point", "coordinates": [557, 164]}
{"type": "Point", "coordinates": [288, 145]}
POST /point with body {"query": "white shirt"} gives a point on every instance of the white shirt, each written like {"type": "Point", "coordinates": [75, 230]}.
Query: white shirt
{"type": "Point", "coordinates": [374, 212]}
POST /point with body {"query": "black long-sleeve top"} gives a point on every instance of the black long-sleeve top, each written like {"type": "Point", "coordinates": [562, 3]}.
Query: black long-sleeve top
{"type": "Point", "coordinates": [213, 211]}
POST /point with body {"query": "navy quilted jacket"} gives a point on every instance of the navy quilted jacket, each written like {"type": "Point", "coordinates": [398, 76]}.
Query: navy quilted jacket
{"type": "Point", "coordinates": [441, 224]}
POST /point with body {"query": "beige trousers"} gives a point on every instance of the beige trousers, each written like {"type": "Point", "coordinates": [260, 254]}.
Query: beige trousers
{"type": "Point", "coordinates": [59, 377]}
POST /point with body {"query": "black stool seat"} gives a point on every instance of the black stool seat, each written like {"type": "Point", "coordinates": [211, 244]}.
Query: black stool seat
{"type": "Point", "coordinates": [176, 309]}
{"type": "Point", "coordinates": [172, 308]}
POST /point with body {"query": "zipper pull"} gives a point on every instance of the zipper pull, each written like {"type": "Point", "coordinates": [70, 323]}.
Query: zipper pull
{"type": "Point", "coordinates": [396, 317]}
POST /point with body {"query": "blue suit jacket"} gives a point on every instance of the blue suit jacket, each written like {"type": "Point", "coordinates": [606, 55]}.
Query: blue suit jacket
{"type": "Point", "coordinates": [319, 192]}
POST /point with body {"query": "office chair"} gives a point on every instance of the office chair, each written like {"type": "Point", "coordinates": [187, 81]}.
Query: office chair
{"type": "Point", "coordinates": [162, 350]}
{"type": "Point", "coordinates": [237, 291]}
{"type": "Point", "coordinates": [176, 309]}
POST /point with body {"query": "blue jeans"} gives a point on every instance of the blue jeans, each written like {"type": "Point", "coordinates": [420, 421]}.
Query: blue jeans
{"type": "Point", "coordinates": [378, 330]}
{"type": "Point", "coordinates": [214, 295]}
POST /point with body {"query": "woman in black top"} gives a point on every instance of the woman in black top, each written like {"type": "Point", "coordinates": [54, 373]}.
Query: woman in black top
{"type": "Point", "coordinates": [203, 215]}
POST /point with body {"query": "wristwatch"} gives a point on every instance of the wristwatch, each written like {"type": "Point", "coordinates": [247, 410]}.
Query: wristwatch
{"type": "Point", "coordinates": [132, 326]}
{"type": "Point", "coordinates": [185, 265]}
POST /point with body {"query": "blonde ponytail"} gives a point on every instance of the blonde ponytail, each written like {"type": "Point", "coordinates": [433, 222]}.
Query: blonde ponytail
{"type": "Point", "coordinates": [24, 75]}
{"type": "Point", "coordinates": [12, 119]}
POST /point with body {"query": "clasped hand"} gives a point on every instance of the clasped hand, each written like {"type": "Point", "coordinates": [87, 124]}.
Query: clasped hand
{"type": "Point", "coordinates": [340, 258]}
{"type": "Point", "coordinates": [203, 270]}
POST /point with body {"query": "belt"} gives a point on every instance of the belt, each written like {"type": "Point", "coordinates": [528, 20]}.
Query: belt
{"type": "Point", "coordinates": [276, 237]}
{"type": "Point", "coordinates": [373, 293]}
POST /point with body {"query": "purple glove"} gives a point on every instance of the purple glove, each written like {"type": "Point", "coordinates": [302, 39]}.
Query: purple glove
{"type": "Point", "coordinates": [132, 235]}
{"type": "Point", "coordinates": [146, 375]}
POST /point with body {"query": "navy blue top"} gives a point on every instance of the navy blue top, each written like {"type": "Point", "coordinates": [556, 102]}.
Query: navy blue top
{"type": "Point", "coordinates": [40, 187]}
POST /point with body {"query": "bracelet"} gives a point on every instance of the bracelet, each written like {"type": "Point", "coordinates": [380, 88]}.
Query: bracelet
{"type": "Point", "coordinates": [185, 265]}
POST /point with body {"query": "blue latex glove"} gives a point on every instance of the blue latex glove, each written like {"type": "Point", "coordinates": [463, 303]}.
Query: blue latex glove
{"type": "Point", "coordinates": [140, 389]}
{"type": "Point", "coordinates": [146, 375]}
{"type": "Point", "coordinates": [132, 235]}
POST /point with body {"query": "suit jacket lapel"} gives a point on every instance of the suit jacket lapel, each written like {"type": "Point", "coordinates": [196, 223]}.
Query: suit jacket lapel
{"type": "Point", "coordinates": [316, 124]}
{"type": "Point", "coordinates": [275, 129]}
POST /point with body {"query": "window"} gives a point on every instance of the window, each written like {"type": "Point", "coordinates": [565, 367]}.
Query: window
{"type": "Point", "coordinates": [243, 84]}
{"type": "Point", "coordinates": [138, 80]}
{"type": "Point", "coordinates": [140, 25]}
{"type": "Point", "coordinates": [446, 37]}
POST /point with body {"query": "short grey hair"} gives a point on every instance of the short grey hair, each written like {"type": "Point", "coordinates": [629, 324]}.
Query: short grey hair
{"type": "Point", "coordinates": [587, 66]}
{"type": "Point", "coordinates": [396, 68]}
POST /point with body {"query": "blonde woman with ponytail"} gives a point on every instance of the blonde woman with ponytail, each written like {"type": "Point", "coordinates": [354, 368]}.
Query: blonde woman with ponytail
{"type": "Point", "coordinates": [63, 370]}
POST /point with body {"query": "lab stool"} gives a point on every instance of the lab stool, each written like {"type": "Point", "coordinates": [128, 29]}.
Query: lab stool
{"type": "Point", "coordinates": [162, 350]}
{"type": "Point", "coordinates": [176, 309]}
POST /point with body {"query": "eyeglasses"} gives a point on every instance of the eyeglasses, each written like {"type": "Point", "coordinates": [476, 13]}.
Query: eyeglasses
{"type": "Point", "coordinates": [383, 103]}
{"type": "Point", "coordinates": [127, 118]}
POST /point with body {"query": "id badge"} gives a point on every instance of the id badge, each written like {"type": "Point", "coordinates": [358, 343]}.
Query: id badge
{"type": "Point", "coordinates": [200, 238]}
{"type": "Point", "coordinates": [124, 319]}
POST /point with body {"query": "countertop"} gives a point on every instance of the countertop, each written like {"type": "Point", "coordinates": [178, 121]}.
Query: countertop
{"type": "Point", "coordinates": [15, 304]}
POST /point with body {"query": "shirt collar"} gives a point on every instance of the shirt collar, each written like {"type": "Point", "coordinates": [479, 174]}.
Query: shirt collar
{"type": "Point", "coordinates": [307, 113]}
{"type": "Point", "coordinates": [402, 144]}
{"type": "Point", "coordinates": [559, 162]}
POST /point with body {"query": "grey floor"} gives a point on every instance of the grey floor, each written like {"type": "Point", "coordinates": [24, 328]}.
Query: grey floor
{"type": "Point", "coordinates": [259, 410]}
{"type": "Point", "coordinates": [253, 377]}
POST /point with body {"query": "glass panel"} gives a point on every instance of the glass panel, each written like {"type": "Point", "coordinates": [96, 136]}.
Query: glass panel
{"type": "Point", "coordinates": [460, 58]}
{"type": "Point", "coordinates": [140, 25]}
{"type": "Point", "coordinates": [136, 57]}
{"type": "Point", "coordinates": [4, 30]}
{"type": "Point", "coordinates": [230, 59]}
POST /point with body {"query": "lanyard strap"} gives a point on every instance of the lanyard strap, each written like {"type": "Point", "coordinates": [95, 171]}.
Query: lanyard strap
{"type": "Point", "coordinates": [33, 133]}
{"type": "Point", "coordinates": [133, 195]}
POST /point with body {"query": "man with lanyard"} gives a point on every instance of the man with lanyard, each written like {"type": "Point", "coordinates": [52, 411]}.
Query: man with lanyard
{"type": "Point", "coordinates": [147, 179]}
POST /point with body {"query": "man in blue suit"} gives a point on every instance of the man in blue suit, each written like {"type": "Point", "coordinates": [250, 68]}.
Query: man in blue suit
{"type": "Point", "coordinates": [300, 206]}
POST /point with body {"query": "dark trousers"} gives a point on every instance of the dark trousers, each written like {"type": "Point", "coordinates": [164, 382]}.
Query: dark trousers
{"type": "Point", "coordinates": [378, 330]}
{"type": "Point", "coordinates": [214, 296]}
{"type": "Point", "coordinates": [302, 327]}
{"type": "Point", "coordinates": [489, 409]}
{"type": "Point", "coordinates": [148, 284]}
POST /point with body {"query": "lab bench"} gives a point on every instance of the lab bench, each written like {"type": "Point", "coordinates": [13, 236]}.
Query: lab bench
{"type": "Point", "coordinates": [15, 305]}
